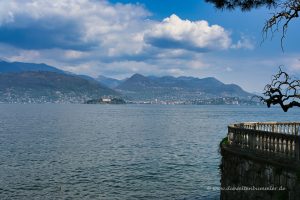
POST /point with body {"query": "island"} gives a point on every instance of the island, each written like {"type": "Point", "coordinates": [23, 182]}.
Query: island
{"type": "Point", "coordinates": [106, 100]}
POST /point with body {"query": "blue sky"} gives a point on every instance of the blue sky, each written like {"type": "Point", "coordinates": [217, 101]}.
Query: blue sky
{"type": "Point", "coordinates": [118, 38]}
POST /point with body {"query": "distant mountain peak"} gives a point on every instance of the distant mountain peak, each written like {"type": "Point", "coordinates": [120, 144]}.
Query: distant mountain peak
{"type": "Point", "coordinates": [169, 87]}
{"type": "Point", "coordinates": [137, 76]}
{"type": "Point", "coordinates": [8, 67]}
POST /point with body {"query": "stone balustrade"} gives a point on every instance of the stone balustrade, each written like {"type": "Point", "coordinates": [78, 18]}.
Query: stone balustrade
{"type": "Point", "coordinates": [274, 138]}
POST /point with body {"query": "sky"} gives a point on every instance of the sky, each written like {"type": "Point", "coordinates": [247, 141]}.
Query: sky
{"type": "Point", "coordinates": [117, 38]}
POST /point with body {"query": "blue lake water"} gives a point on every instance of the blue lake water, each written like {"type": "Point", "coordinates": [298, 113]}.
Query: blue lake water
{"type": "Point", "coordinates": [56, 151]}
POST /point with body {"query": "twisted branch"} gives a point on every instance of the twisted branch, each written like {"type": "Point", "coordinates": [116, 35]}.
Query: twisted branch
{"type": "Point", "coordinates": [283, 90]}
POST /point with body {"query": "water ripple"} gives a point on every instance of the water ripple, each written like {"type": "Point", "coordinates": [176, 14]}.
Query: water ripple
{"type": "Point", "coordinates": [116, 152]}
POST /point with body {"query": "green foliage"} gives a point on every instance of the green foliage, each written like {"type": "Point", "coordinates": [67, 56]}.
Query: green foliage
{"type": "Point", "coordinates": [224, 141]}
{"type": "Point", "coordinates": [114, 100]}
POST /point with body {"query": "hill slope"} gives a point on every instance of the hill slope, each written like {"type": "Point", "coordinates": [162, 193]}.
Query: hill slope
{"type": "Point", "coordinates": [139, 87]}
{"type": "Point", "coordinates": [39, 87]}
{"type": "Point", "coordinates": [109, 82]}
{"type": "Point", "coordinates": [8, 67]}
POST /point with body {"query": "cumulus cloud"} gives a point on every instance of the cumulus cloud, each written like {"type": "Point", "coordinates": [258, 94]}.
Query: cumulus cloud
{"type": "Point", "coordinates": [97, 37]}
{"type": "Point", "coordinates": [175, 33]}
{"type": "Point", "coordinates": [66, 24]}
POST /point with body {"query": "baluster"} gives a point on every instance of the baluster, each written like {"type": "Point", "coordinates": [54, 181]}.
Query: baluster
{"type": "Point", "coordinates": [239, 138]}
{"type": "Point", "coordinates": [236, 138]}
{"type": "Point", "coordinates": [249, 136]}
{"type": "Point", "coordinates": [275, 142]}
{"type": "Point", "coordinates": [282, 146]}
{"type": "Point", "coordinates": [297, 148]}
{"type": "Point", "coordinates": [246, 140]}
{"type": "Point", "coordinates": [258, 143]}
{"type": "Point", "coordinates": [272, 143]}
{"type": "Point", "coordinates": [287, 147]}
{"type": "Point", "coordinates": [293, 148]}
{"type": "Point", "coordinates": [280, 128]}
{"type": "Point", "coordinates": [294, 129]}
{"type": "Point", "coordinates": [263, 142]}
{"type": "Point", "coordinates": [254, 141]}
{"type": "Point", "coordinates": [263, 137]}
{"type": "Point", "coordinates": [267, 143]}
{"type": "Point", "coordinates": [233, 136]}
{"type": "Point", "coordinates": [277, 145]}
{"type": "Point", "coordinates": [242, 139]}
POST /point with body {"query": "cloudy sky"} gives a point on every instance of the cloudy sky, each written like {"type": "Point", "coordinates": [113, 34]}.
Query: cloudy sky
{"type": "Point", "coordinates": [118, 38]}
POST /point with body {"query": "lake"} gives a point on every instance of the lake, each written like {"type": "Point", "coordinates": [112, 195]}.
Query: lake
{"type": "Point", "coordinates": [57, 151]}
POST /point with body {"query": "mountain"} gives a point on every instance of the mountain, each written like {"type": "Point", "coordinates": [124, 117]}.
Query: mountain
{"type": "Point", "coordinates": [45, 86]}
{"type": "Point", "coordinates": [139, 87]}
{"type": "Point", "coordinates": [137, 82]}
{"type": "Point", "coordinates": [8, 67]}
{"type": "Point", "coordinates": [30, 82]}
{"type": "Point", "coordinates": [109, 82]}
{"type": "Point", "coordinates": [13, 67]}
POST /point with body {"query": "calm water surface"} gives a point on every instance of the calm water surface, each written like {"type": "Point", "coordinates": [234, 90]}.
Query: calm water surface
{"type": "Point", "coordinates": [116, 151]}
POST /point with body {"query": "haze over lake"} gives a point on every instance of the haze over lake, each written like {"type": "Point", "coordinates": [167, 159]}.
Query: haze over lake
{"type": "Point", "coordinates": [55, 151]}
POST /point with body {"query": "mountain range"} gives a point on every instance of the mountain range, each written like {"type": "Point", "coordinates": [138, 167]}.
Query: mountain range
{"type": "Point", "coordinates": [140, 87]}
{"type": "Point", "coordinates": [30, 82]}
{"type": "Point", "coordinates": [40, 83]}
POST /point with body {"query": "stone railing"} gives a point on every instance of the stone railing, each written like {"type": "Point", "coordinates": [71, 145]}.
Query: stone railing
{"type": "Point", "coordinates": [280, 139]}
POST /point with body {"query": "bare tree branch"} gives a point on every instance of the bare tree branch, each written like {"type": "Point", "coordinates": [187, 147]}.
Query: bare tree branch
{"type": "Point", "coordinates": [283, 90]}
{"type": "Point", "coordinates": [285, 12]}
{"type": "Point", "coordinates": [289, 10]}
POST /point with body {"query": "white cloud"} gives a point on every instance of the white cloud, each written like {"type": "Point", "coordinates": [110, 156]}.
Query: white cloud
{"type": "Point", "coordinates": [72, 24]}
{"type": "Point", "coordinates": [228, 69]}
{"type": "Point", "coordinates": [72, 54]}
{"type": "Point", "coordinates": [97, 37]}
{"type": "Point", "coordinates": [244, 43]}
{"type": "Point", "coordinates": [176, 33]}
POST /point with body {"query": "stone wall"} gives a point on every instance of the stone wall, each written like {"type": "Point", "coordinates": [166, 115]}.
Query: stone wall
{"type": "Point", "coordinates": [251, 172]}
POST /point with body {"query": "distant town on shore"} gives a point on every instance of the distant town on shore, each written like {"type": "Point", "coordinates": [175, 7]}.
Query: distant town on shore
{"type": "Point", "coordinates": [41, 83]}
